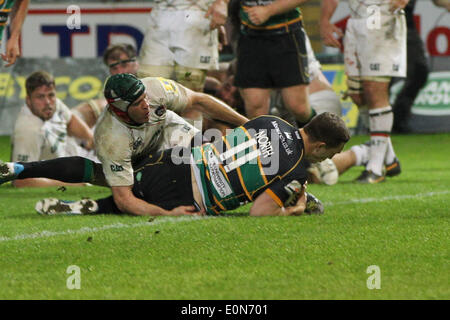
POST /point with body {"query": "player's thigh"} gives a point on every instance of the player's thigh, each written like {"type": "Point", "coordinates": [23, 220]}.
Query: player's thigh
{"type": "Point", "coordinates": [155, 49]}
{"type": "Point", "coordinates": [295, 98]}
{"type": "Point", "coordinates": [256, 101]}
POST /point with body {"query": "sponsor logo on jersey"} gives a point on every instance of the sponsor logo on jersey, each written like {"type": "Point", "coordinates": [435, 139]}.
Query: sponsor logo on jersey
{"type": "Point", "coordinates": [218, 180]}
{"type": "Point", "coordinates": [116, 168]}
{"type": "Point", "coordinates": [283, 141]}
{"type": "Point", "coordinates": [160, 111]}
{"type": "Point", "coordinates": [288, 135]}
{"type": "Point", "coordinates": [137, 143]}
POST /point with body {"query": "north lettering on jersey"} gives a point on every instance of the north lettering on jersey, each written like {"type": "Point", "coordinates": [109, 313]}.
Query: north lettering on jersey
{"type": "Point", "coordinates": [264, 143]}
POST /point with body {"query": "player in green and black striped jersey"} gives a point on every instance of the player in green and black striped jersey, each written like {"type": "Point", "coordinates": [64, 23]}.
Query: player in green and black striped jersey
{"type": "Point", "coordinates": [260, 162]}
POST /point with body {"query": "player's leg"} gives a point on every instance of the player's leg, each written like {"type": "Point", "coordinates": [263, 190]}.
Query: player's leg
{"type": "Point", "coordinates": [256, 101]}
{"type": "Point", "coordinates": [296, 100]}
{"type": "Point", "coordinates": [67, 169]}
{"type": "Point", "coordinates": [380, 125]}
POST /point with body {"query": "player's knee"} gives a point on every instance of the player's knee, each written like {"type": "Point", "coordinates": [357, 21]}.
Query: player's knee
{"type": "Point", "coordinates": [355, 90]}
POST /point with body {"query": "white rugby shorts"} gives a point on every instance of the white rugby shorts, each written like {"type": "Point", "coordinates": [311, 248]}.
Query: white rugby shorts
{"type": "Point", "coordinates": [372, 51]}
{"type": "Point", "coordinates": [182, 37]}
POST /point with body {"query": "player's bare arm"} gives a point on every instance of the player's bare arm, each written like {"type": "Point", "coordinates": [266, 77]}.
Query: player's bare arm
{"type": "Point", "coordinates": [79, 129]}
{"type": "Point", "coordinates": [264, 205]}
{"type": "Point", "coordinates": [18, 13]}
{"type": "Point", "coordinates": [329, 33]}
{"type": "Point", "coordinates": [260, 14]}
{"type": "Point", "coordinates": [128, 203]}
{"type": "Point", "coordinates": [214, 108]}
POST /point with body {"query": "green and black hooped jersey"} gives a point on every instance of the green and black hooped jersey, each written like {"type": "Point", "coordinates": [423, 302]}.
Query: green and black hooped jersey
{"type": "Point", "coordinates": [274, 22]}
{"type": "Point", "coordinates": [264, 155]}
{"type": "Point", "coordinates": [5, 10]}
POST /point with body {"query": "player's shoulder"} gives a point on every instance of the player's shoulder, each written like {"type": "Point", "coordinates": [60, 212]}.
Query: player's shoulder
{"type": "Point", "coordinates": [108, 128]}
{"type": "Point", "coordinates": [26, 121]}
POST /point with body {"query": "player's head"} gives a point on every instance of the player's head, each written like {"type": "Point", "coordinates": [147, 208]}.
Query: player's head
{"type": "Point", "coordinates": [121, 58]}
{"type": "Point", "coordinates": [127, 98]}
{"type": "Point", "coordinates": [41, 94]}
{"type": "Point", "coordinates": [327, 135]}
{"type": "Point", "coordinates": [229, 93]}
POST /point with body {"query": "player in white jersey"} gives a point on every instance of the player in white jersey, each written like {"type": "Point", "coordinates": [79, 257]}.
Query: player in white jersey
{"type": "Point", "coordinates": [181, 42]}
{"type": "Point", "coordinates": [374, 51]}
{"type": "Point", "coordinates": [137, 121]}
{"type": "Point", "coordinates": [42, 128]}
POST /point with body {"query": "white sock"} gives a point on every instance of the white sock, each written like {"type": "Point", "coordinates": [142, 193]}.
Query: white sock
{"type": "Point", "coordinates": [390, 154]}
{"type": "Point", "coordinates": [361, 152]}
{"type": "Point", "coordinates": [381, 120]}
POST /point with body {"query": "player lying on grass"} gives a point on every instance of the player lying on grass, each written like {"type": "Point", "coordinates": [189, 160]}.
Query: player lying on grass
{"type": "Point", "coordinates": [262, 162]}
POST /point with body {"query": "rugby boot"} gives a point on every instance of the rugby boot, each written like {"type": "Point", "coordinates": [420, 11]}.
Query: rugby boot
{"type": "Point", "coordinates": [52, 206]}
{"type": "Point", "coordinates": [368, 177]}
{"type": "Point", "coordinates": [9, 171]}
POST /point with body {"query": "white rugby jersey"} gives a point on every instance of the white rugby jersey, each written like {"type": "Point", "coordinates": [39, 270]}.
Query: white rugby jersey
{"type": "Point", "coordinates": [119, 144]}
{"type": "Point", "coordinates": [34, 139]}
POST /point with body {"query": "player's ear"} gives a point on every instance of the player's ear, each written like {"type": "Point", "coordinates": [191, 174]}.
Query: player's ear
{"type": "Point", "coordinates": [320, 145]}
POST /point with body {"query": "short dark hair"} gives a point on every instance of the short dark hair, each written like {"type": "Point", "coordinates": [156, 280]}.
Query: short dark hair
{"type": "Point", "coordinates": [38, 79]}
{"type": "Point", "coordinates": [329, 128]}
{"type": "Point", "coordinates": [114, 50]}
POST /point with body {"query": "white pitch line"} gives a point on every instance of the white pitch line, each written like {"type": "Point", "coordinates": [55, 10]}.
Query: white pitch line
{"type": "Point", "coordinates": [400, 197]}
{"type": "Point", "coordinates": [48, 234]}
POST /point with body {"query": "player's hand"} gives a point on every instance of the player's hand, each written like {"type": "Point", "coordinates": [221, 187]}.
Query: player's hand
{"type": "Point", "coordinates": [183, 210]}
{"type": "Point", "coordinates": [218, 12]}
{"type": "Point", "coordinates": [299, 206]}
{"type": "Point", "coordinates": [12, 52]}
{"type": "Point", "coordinates": [259, 14]}
{"type": "Point", "coordinates": [330, 34]}
{"type": "Point", "coordinates": [398, 4]}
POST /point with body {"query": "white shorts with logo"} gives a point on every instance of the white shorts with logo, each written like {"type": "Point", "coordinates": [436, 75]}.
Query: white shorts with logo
{"type": "Point", "coordinates": [376, 52]}
{"type": "Point", "coordinates": [180, 37]}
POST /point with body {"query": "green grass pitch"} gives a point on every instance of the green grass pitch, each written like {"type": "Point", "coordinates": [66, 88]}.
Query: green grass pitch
{"type": "Point", "coordinates": [401, 226]}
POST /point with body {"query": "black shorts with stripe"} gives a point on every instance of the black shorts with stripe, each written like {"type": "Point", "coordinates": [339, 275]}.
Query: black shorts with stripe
{"type": "Point", "coordinates": [272, 60]}
{"type": "Point", "coordinates": [164, 179]}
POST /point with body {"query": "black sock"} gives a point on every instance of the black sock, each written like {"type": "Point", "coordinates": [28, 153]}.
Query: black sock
{"type": "Point", "coordinates": [107, 205]}
{"type": "Point", "coordinates": [68, 169]}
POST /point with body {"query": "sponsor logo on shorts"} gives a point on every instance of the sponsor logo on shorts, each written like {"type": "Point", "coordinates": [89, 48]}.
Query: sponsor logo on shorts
{"type": "Point", "coordinates": [374, 66]}
{"type": "Point", "coordinates": [395, 67]}
{"type": "Point", "coordinates": [205, 59]}
{"type": "Point", "coordinates": [218, 180]}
